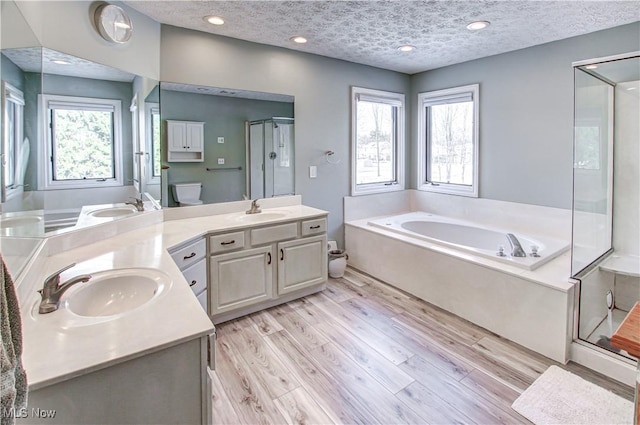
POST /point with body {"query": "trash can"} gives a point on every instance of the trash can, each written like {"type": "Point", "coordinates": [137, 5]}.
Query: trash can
{"type": "Point", "coordinates": [337, 262]}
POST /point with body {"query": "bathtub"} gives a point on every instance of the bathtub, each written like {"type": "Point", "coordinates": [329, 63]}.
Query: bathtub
{"type": "Point", "coordinates": [470, 237]}
{"type": "Point", "coordinates": [454, 266]}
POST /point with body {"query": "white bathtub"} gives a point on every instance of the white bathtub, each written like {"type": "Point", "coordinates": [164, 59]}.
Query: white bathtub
{"type": "Point", "coordinates": [473, 238]}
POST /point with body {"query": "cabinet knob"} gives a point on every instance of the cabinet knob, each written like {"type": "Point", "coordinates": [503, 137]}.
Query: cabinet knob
{"type": "Point", "coordinates": [193, 254]}
{"type": "Point", "coordinates": [281, 254]}
{"type": "Point", "coordinates": [268, 258]}
{"type": "Point", "coordinates": [193, 283]}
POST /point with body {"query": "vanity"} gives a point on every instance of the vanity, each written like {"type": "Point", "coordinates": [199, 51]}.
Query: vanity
{"type": "Point", "coordinates": [150, 363]}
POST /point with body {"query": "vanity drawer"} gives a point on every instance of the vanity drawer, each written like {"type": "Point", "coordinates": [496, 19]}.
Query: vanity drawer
{"type": "Point", "coordinates": [274, 233]}
{"type": "Point", "coordinates": [196, 276]}
{"type": "Point", "coordinates": [191, 253]}
{"type": "Point", "coordinates": [312, 227]}
{"type": "Point", "coordinates": [226, 242]}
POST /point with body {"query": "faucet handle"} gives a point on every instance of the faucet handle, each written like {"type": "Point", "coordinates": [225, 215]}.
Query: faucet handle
{"type": "Point", "coordinates": [56, 276]}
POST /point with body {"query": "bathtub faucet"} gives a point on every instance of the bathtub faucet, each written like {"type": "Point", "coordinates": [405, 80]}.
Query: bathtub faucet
{"type": "Point", "coordinates": [516, 248]}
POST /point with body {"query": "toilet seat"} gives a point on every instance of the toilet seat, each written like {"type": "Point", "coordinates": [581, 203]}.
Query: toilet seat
{"type": "Point", "coordinates": [190, 203]}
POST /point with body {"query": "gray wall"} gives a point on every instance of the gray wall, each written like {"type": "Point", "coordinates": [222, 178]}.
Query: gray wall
{"type": "Point", "coordinates": [321, 87]}
{"type": "Point", "coordinates": [526, 114]}
{"type": "Point", "coordinates": [11, 73]}
{"type": "Point", "coordinates": [223, 117]}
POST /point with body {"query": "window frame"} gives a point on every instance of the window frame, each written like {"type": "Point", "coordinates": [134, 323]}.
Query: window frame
{"type": "Point", "coordinates": [393, 99]}
{"type": "Point", "coordinates": [45, 180]}
{"type": "Point", "coordinates": [424, 150]}
{"type": "Point", "coordinates": [15, 96]}
{"type": "Point", "coordinates": [152, 108]}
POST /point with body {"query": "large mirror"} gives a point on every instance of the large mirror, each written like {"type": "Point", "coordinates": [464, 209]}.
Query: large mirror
{"type": "Point", "coordinates": [81, 146]}
{"type": "Point", "coordinates": [223, 144]}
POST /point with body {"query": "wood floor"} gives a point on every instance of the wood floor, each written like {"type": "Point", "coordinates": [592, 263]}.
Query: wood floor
{"type": "Point", "coordinates": [364, 352]}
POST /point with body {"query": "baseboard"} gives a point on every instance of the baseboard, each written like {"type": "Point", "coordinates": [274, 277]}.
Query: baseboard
{"type": "Point", "coordinates": [622, 370]}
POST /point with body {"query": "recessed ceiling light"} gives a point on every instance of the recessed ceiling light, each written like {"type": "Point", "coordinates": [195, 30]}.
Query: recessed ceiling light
{"type": "Point", "coordinates": [61, 62]}
{"type": "Point", "coordinates": [591, 67]}
{"type": "Point", "coordinates": [478, 25]}
{"type": "Point", "coordinates": [407, 48]}
{"type": "Point", "coordinates": [214, 20]}
{"type": "Point", "coordinates": [298, 39]}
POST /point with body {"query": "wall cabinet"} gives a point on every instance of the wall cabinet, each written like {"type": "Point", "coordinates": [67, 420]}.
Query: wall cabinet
{"type": "Point", "coordinates": [263, 266]}
{"type": "Point", "coordinates": [185, 141]}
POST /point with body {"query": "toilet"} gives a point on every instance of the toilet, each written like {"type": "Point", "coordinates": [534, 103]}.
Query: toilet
{"type": "Point", "coordinates": [187, 194]}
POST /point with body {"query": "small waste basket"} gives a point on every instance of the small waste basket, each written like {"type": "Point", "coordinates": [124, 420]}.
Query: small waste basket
{"type": "Point", "coordinates": [337, 262]}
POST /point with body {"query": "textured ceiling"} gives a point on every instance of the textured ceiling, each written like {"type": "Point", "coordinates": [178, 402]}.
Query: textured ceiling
{"type": "Point", "coordinates": [37, 59]}
{"type": "Point", "coordinates": [369, 32]}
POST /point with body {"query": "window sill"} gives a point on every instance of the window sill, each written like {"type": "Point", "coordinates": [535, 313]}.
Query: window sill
{"type": "Point", "coordinates": [377, 189]}
{"type": "Point", "coordinates": [83, 185]}
{"type": "Point", "coordinates": [449, 190]}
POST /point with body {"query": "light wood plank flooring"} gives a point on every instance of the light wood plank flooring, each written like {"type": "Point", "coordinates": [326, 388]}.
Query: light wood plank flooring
{"type": "Point", "coordinates": [364, 352]}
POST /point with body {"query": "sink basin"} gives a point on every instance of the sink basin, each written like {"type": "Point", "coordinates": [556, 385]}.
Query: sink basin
{"type": "Point", "coordinates": [115, 292]}
{"type": "Point", "coordinates": [20, 221]}
{"type": "Point", "coordinates": [113, 212]}
{"type": "Point", "coordinates": [264, 216]}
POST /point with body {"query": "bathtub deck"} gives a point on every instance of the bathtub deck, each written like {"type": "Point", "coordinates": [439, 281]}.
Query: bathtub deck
{"type": "Point", "coordinates": [364, 352]}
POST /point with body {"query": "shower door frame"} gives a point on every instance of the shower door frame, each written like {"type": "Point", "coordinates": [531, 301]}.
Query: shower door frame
{"type": "Point", "coordinates": [577, 277]}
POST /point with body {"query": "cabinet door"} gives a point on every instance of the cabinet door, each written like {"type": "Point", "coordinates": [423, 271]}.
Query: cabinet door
{"type": "Point", "coordinates": [195, 136]}
{"type": "Point", "coordinates": [301, 263]}
{"type": "Point", "coordinates": [177, 135]}
{"type": "Point", "coordinates": [240, 279]}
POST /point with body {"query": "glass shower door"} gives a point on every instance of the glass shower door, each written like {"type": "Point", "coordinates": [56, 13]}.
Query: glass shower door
{"type": "Point", "coordinates": [592, 170]}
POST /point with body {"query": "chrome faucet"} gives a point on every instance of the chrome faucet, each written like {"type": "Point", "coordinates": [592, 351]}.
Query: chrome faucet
{"type": "Point", "coordinates": [138, 203]}
{"type": "Point", "coordinates": [255, 208]}
{"type": "Point", "coordinates": [516, 248]}
{"type": "Point", "coordinates": [52, 290]}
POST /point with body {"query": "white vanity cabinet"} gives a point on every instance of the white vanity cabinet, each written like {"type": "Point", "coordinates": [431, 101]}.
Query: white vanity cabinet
{"type": "Point", "coordinates": [185, 141]}
{"type": "Point", "coordinates": [301, 263]}
{"type": "Point", "coordinates": [241, 279]}
{"type": "Point", "coordinates": [190, 257]}
{"type": "Point", "coordinates": [266, 265]}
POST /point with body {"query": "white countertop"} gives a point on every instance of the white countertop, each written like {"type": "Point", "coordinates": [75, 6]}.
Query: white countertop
{"type": "Point", "coordinates": [56, 349]}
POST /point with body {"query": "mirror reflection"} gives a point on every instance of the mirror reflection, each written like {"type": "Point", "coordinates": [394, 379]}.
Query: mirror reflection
{"type": "Point", "coordinates": [221, 145]}
{"type": "Point", "coordinates": [78, 141]}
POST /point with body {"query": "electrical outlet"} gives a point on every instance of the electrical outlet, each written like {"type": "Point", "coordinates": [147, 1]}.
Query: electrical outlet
{"type": "Point", "coordinates": [220, 139]}
{"type": "Point", "coordinates": [313, 172]}
{"type": "Point", "coordinates": [220, 161]}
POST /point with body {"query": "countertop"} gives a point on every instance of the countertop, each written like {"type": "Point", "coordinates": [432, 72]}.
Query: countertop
{"type": "Point", "coordinates": [57, 349]}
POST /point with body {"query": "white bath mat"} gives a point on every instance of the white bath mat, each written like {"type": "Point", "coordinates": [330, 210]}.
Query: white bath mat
{"type": "Point", "coordinates": [560, 397]}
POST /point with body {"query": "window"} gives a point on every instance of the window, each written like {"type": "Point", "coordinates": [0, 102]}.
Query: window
{"type": "Point", "coordinates": [448, 141]}
{"type": "Point", "coordinates": [377, 141]}
{"type": "Point", "coordinates": [84, 143]}
{"type": "Point", "coordinates": [15, 151]}
{"type": "Point", "coordinates": [153, 142]}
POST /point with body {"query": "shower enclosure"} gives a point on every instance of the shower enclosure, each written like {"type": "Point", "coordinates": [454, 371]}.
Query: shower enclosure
{"type": "Point", "coordinates": [606, 187]}
{"type": "Point", "coordinates": [270, 147]}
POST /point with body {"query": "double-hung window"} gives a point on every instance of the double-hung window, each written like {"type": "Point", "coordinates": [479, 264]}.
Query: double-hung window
{"type": "Point", "coordinates": [377, 151]}
{"type": "Point", "coordinates": [14, 150]}
{"type": "Point", "coordinates": [448, 141]}
{"type": "Point", "coordinates": [84, 142]}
